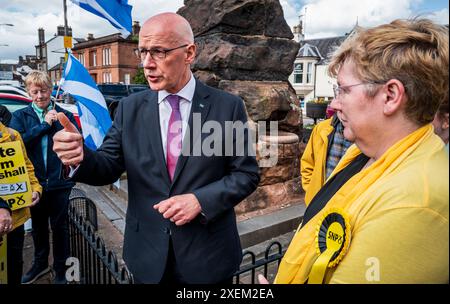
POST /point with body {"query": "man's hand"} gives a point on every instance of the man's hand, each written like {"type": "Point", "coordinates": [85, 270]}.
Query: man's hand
{"type": "Point", "coordinates": [51, 117]}
{"type": "Point", "coordinates": [180, 209]}
{"type": "Point", "coordinates": [68, 143]}
{"type": "Point", "coordinates": [35, 197]}
{"type": "Point", "coordinates": [5, 221]}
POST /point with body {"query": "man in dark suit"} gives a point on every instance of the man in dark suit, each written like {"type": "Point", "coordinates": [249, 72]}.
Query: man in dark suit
{"type": "Point", "coordinates": [180, 225]}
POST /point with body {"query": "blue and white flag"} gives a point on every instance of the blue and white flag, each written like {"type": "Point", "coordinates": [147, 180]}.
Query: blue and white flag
{"type": "Point", "coordinates": [94, 115]}
{"type": "Point", "coordinates": [117, 12]}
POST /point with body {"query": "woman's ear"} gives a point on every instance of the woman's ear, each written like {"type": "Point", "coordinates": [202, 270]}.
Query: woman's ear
{"type": "Point", "coordinates": [395, 97]}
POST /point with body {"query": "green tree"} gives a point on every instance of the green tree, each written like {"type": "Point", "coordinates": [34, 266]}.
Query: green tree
{"type": "Point", "coordinates": [140, 77]}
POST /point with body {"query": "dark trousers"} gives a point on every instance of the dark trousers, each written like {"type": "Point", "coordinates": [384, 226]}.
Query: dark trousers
{"type": "Point", "coordinates": [54, 206]}
{"type": "Point", "coordinates": [172, 275]}
{"type": "Point", "coordinates": [14, 254]}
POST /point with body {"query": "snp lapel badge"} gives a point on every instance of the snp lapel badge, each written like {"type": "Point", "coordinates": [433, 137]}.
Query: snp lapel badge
{"type": "Point", "coordinates": [332, 240]}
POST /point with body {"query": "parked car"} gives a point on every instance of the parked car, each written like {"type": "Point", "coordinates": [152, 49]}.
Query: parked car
{"type": "Point", "coordinates": [55, 91]}
{"type": "Point", "coordinates": [114, 92]}
{"type": "Point", "coordinates": [10, 89]}
{"type": "Point", "coordinates": [15, 102]}
{"type": "Point", "coordinates": [15, 83]}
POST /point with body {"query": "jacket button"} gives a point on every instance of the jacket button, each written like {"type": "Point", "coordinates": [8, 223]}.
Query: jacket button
{"type": "Point", "coordinates": [167, 230]}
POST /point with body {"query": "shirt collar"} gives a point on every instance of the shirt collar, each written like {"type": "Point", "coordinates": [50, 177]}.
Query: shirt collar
{"type": "Point", "coordinates": [187, 92]}
{"type": "Point", "coordinates": [40, 111]}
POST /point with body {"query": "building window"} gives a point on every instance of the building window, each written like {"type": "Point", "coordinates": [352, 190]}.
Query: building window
{"type": "Point", "coordinates": [107, 56]}
{"type": "Point", "coordinates": [298, 73]}
{"type": "Point", "coordinates": [127, 79]}
{"type": "Point", "coordinates": [93, 58]}
{"type": "Point", "coordinates": [81, 58]}
{"type": "Point", "coordinates": [107, 77]}
{"type": "Point", "coordinates": [309, 72]}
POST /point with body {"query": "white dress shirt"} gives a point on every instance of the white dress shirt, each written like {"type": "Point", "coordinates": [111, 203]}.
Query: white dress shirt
{"type": "Point", "coordinates": [186, 95]}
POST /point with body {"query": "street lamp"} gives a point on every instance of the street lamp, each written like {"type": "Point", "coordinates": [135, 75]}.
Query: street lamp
{"type": "Point", "coordinates": [2, 44]}
{"type": "Point", "coordinates": [7, 24]}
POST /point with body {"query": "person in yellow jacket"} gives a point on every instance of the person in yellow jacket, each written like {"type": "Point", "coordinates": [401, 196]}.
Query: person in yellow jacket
{"type": "Point", "coordinates": [325, 148]}
{"type": "Point", "coordinates": [382, 215]}
{"type": "Point", "coordinates": [11, 222]}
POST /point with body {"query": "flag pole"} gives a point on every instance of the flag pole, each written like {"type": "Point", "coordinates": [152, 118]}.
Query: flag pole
{"type": "Point", "coordinates": [65, 49]}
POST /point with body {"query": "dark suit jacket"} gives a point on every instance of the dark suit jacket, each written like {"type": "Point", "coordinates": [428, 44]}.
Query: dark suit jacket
{"type": "Point", "coordinates": [207, 250]}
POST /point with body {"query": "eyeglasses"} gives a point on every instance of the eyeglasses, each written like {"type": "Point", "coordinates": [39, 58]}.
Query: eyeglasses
{"type": "Point", "coordinates": [156, 54]}
{"type": "Point", "coordinates": [338, 90]}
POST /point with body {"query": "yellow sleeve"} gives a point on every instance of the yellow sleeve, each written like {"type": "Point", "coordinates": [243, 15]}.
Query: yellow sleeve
{"type": "Point", "coordinates": [35, 186]}
{"type": "Point", "coordinates": [307, 161]}
{"type": "Point", "coordinates": [404, 245]}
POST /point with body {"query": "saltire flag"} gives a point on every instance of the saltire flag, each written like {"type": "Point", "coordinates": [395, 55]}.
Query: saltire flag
{"type": "Point", "coordinates": [92, 109]}
{"type": "Point", "coordinates": [117, 12]}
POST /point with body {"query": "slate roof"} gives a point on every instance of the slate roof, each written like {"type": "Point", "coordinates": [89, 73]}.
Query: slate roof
{"type": "Point", "coordinates": [321, 48]}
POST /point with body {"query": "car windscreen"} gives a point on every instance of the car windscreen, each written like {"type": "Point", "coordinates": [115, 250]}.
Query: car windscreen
{"type": "Point", "coordinates": [13, 105]}
{"type": "Point", "coordinates": [137, 89]}
{"type": "Point", "coordinates": [117, 90]}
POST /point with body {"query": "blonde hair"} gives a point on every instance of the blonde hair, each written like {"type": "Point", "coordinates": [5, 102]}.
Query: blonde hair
{"type": "Point", "coordinates": [413, 51]}
{"type": "Point", "coordinates": [38, 78]}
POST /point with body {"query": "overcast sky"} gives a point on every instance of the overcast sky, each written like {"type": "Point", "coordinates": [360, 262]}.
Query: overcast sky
{"type": "Point", "coordinates": [323, 18]}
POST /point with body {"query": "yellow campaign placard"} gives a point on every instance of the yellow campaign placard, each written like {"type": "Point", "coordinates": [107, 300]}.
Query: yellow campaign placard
{"type": "Point", "coordinates": [3, 267]}
{"type": "Point", "coordinates": [67, 42]}
{"type": "Point", "coordinates": [15, 187]}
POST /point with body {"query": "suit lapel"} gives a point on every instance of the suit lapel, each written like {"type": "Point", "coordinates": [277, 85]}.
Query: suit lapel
{"type": "Point", "coordinates": [152, 122]}
{"type": "Point", "coordinates": [200, 105]}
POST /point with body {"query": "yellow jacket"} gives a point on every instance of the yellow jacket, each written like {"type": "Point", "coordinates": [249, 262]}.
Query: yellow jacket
{"type": "Point", "coordinates": [398, 210]}
{"type": "Point", "coordinates": [20, 216]}
{"type": "Point", "coordinates": [312, 163]}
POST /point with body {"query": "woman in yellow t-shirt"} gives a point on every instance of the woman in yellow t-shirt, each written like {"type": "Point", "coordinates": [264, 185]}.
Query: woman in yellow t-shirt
{"type": "Point", "coordinates": [382, 215]}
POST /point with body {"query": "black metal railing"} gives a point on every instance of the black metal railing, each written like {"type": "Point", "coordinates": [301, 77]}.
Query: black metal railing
{"type": "Point", "coordinates": [248, 270]}
{"type": "Point", "coordinates": [97, 265]}
{"type": "Point", "coordinates": [84, 206]}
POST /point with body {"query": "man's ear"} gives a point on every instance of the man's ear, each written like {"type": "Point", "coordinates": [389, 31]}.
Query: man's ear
{"type": "Point", "coordinates": [395, 97]}
{"type": "Point", "coordinates": [191, 52]}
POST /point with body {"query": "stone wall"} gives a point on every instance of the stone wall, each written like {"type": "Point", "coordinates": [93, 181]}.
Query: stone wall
{"type": "Point", "coordinates": [246, 47]}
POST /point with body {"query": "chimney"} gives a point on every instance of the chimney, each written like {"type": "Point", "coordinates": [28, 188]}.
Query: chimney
{"type": "Point", "coordinates": [136, 28]}
{"type": "Point", "coordinates": [41, 35]}
{"type": "Point", "coordinates": [90, 36]}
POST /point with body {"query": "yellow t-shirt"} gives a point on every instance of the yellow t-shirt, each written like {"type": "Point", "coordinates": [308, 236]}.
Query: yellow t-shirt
{"type": "Point", "coordinates": [398, 209]}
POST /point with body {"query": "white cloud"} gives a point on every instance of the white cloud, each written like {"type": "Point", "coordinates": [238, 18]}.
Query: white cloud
{"type": "Point", "coordinates": [439, 16]}
{"type": "Point", "coordinates": [325, 18]}
{"type": "Point", "coordinates": [290, 13]}
{"type": "Point", "coordinates": [28, 15]}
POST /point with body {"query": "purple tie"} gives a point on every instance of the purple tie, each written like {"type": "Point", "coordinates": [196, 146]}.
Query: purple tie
{"type": "Point", "coordinates": [174, 135]}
